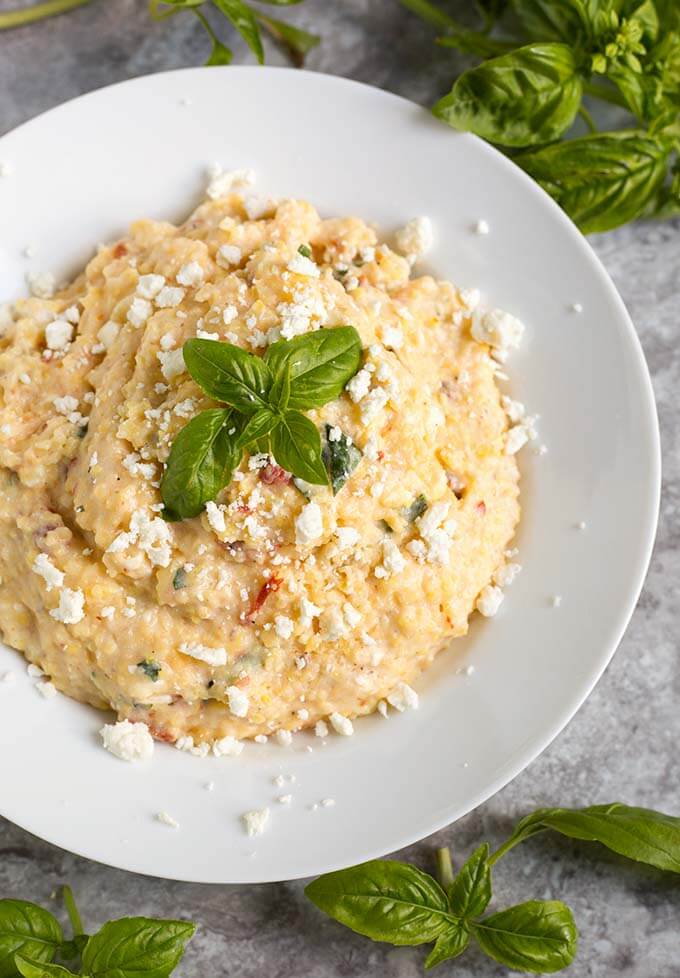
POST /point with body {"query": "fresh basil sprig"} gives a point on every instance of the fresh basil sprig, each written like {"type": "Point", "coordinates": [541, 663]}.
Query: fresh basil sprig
{"type": "Point", "coordinates": [544, 57]}
{"type": "Point", "coordinates": [265, 398]}
{"type": "Point", "coordinates": [400, 904]}
{"type": "Point", "coordinates": [133, 947]}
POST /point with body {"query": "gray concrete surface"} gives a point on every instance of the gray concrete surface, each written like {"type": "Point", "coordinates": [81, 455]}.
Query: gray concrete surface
{"type": "Point", "coordinates": [629, 917]}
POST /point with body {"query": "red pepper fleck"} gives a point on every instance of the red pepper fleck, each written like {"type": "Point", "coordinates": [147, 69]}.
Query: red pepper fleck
{"type": "Point", "coordinates": [481, 507]}
{"type": "Point", "coordinates": [274, 475]}
{"type": "Point", "coordinates": [159, 734]}
{"type": "Point", "coordinates": [380, 456]}
{"type": "Point", "coordinates": [120, 250]}
{"type": "Point", "coordinates": [269, 586]}
{"type": "Point", "coordinates": [243, 508]}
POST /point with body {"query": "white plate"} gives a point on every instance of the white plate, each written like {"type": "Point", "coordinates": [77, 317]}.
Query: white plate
{"type": "Point", "coordinates": [79, 174]}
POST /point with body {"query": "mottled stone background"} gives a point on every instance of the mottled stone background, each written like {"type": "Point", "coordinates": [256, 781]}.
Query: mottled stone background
{"type": "Point", "coordinates": [624, 742]}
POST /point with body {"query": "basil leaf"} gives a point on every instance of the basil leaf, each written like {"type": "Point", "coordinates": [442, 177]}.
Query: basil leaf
{"type": "Point", "coordinates": [228, 373]}
{"type": "Point", "coordinates": [279, 395]}
{"type": "Point", "coordinates": [341, 458]}
{"type": "Point", "coordinates": [201, 462]}
{"type": "Point", "coordinates": [526, 97]}
{"type": "Point", "coordinates": [258, 425]}
{"type": "Point", "coordinates": [416, 509]}
{"type": "Point", "coordinates": [39, 969]}
{"type": "Point", "coordinates": [73, 948]}
{"type": "Point", "coordinates": [28, 930]}
{"type": "Point", "coordinates": [294, 40]}
{"type": "Point", "coordinates": [136, 947]}
{"type": "Point", "coordinates": [151, 669]}
{"type": "Point", "coordinates": [470, 892]}
{"type": "Point", "coordinates": [219, 53]}
{"type": "Point", "coordinates": [430, 13]}
{"type": "Point", "coordinates": [296, 446]}
{"type": "Point", "coordinates": [449, 945]}
{"type": "Point", "coordinates": [601, 181]}
{"type": "Point", "coordinates": [641, 834]}
{"type": "Point", "coordinates": [243, 19]}
{"type": "Point", "coordinates": [321, 363]}
{"type": "Point", "coordinates": [545, 20]}
{"type": "Point", "coordinates": [537, 936]}
{"type": "Point", "coordinates": [384, 900]}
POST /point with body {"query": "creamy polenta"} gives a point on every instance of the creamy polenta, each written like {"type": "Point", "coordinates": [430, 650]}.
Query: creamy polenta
{"type": "Point", "coordinates": [283, 605]}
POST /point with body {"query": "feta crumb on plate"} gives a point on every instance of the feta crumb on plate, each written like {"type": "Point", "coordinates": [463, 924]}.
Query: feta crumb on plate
{"type": "Point", "coordinates": [256, 821]}
{"type": "Point", "coordinates": [128, 741]}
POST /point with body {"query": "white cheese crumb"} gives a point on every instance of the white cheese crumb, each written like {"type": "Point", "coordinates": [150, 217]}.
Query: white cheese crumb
{"type": "Point", "coordinates": [308, 611]}
{"type": "Point", "coordinates": [58, 334]}
{"type": "Point", "coordinates": [341, 724]}
{"type": "Point", "coordinates": [556, 600]}
{"type": "Point", "coordinates": [213, 656]}
{"type": "Point", "coordinates": [35, 672]}
{"type": "Point", "coordinates": [51, 575]}
{"type": "Point", "coordinates": [70, 609]}
{"type": "Point", "coordinates": [515, 410]}
{"type": "Point", "coordinates": [227, 747]}
{"type": "Point", "coordinates": [489, 600]}
{"type": "Point", "coordinates": [229, 314]}
{"type": "Point", "coordinates": [209, 786]}
{"type": "Point", "coordinates": [257, 205]}
{"type": "Point", "coordinates": [191, 274]}
{"type": "Point", "coordinates": [168, 820]}
{"type": "Point", "coordinates": [403, 697]}
{"type": "Point", "coordinates": [43, 285]}
{"type": "Point", "coordinates": [372, 404]}
{"type": "Point", "coordinates": [576, 307]}
{"type": "Point", "coordinates": [581, 525]}
{"type": "Point", "coordinates": [108, 611]}
{"type": "Point", "coordinates": [498, 329]}
{"type": "Point", "coordinates": [148, 286]}
{"type": "Point", "coordinates": [415, 238]}
{"type": "Point", "coordinates": [239, 704]}
{"type": "Point", "coordinates": [108, 333]}
{"type": "Point", "coordinates": [308, 525]}
{"type": "Point", "coordinates": [46, 689]}
{"type": "Point", "coordinates": [128, 741]}
{"type": "Point", "coordinates": [139, 312]}
{"type": "Point", "coordinates": [520, 434]}
{"type": "Point", "coordinates": [359, 385]}
{"type": "Point", "coordinates": [284, 738]}
{"type": "Point", "coordinates": [320, 729]}
{"type": "Point", "coordinates": [172, 363]}
{"type": "Point", "coordinates": [506, 574]}
{"type": "Point", "coordinates": [393, 560]}
{"type": "Point", "coordinates": [327, 802]}
{"type": "Point", "coordinates": [482, 227]}
{"type": "Point", "coordinates": [215, 517]}
{"type": "Point", "coordinates": [284, 799]}
{"type": "Point", "coordinates": [169, 297]}
{"type": "Point", "coordinates": [223, 182]}
{"type": "Point", "coordinates": [5, 169]}
{"type": "Point", "coordinates": [256, 821]}
{"type": "Point", "coordinates": [8, 678]}
{"type": "Point", "coordinates": [302, 265]}
{"type": "Point", "coordinates": [283, 626]}
{"type": "Point", "coordinates": [347, 536]}
{"type": "Point", "coordinates": [228, 255]}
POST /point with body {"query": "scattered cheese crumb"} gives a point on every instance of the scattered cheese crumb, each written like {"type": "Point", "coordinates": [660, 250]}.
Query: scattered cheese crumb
{"type": "Point", "coordinates": [148, 286]}
{"type": "Point", "coordinates": [169, 297]}
{"type": "Point", "coordinates": [51, 575]}
{"type": "Point", "coordinates": [498, 329]}
{"type": "Point", "coordinates": [58, 334]}
{"type": "Point", "coordinates": [191, 274]}
{"type": "Point", "coordinates": [320, 729]}
{"type": "Point", "coordinates": [302, 265]}
{"type": "Point", "coordinates": [415, 238]}
{"type": "Point", "coordinates": [482, 227]}
{"type": "Point", "coordinates": [70, 609]}
{"type": "Point", "coordinates": [46, 689]}
{"type": "Point", "coordinates": [223, 182]}
{"type": "Point", "coordinates": [215, 517]}
{"type": "Point", "coordinates": [166, 819]}
{"type": "Point", "coordinates": [128, 741]}
{"type": "Point", "coordinates": [227, 747]}
{"type": "Point", "coordinates": [43, 285]}
{"type": "Point", "coordinates": [308, 525]}
{"type": "Point", "coordinates": [256, 821]}
{"type": "Point", "coordinates": [212, 656]}
{"type": "Point", "coordinates": [172, 363]}
{"type": "Point", "coordinates": [403, 697]}
{"type": "Point", "coordinates": [284, 738]}
{"type": "Point", "coordinates": [283, 626]}
{"type": "Point", "coordinates": [228, 255]}
{"type": "Point", "coordinates": [239, 703]}
{"type": "Point", "coordinates": [489, 600]}
{"type": "Point", "coordinates": [341, 724]}
{"type": "Point", "coordinates": [506, 574]}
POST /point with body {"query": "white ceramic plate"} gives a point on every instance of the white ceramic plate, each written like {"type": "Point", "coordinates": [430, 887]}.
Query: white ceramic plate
{"type": "Point", "coordinates": [80, 173]}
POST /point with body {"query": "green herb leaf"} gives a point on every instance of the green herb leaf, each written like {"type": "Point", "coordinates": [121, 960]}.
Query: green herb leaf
{"type": "Point", "coordinates": [386, 901]}
{"type": "Point", "coordinates": [39, 969]}
{"type": "Point", "coordinates": [448, 945]}
{"type": "Point", "coordinates": [296, 446]}
{"type": "Point", "coordinates": [537, 936]}
{"type": "Point", "coordinates": [219, 54]}
{"type": "Point", "coordinates": [340, 457]}
{"type": "Point", "coordinates": [416, 509]}
{"type": "Point", "coordinates": [257, 426]}
{"type": "Point", "coordinates": [545, 20]}
{"type": "Point", "coordinates": [243, 19]}
{"type": "Point", "coordinates": [228, 373]}
{"type": "Point", "coordinates": [201, 462]}
{"type": "Point", "coordinates": [72, 949]}
{"type": "Point", "coordinates": [295, 41]}
{"type": "Point", "coordinates": [305, 251]}
{"type": "Point", "coordinates": [641, 834]}
{"type": "Point", "coordinates": [601, 181]}
{"type": "Point", "coordinates": [279, 396]}
{"type": "Point", "coordinates": [470, 892]}
{"type": "Point", "coordinates": [523, 98]}
{"type": "Point", "coordinates": [150, 668]}
{"type": "Point", "coordinates": [28, 930]}
{"type": "Point", "coordinates": [321, 363]}
{"type": "Point", "coordinates": [179, 578]}
{"type": "Point", "coordinates": [136, 947]}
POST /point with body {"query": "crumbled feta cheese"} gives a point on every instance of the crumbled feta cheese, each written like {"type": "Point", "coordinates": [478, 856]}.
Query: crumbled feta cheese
{"type": "Point", "coordinates": [168, 820]}
{"type": "Point", "coordinates": [576, 307]}
{"type": "Point", "coordinates": [215, 517]}
{"type": "Point", "coordinates": [327, 802]}
{"type": "Point", "coordinates": [393, 560]}
{"type": "Point", "coordinates": [46, 690]}
{"type": "Point", "coordinates": [308, 525]}
{"type": "Point", "coordinates": [435, 532]}
{"type": "Point", "coordinates": [498, 329]}
{"type": "Point", "coordinates": [228, 255]}
{"type": "Point", "coordinates": [334, 625]}
{"type": "Point", "coordinates": [227, 747]}
{"type": "Point", "coordinates": [8, 678]}
{"type": "Point", "coordinates": [284, 799]}
{"type": "Point", "coordinates": [284, 738]}
{"type": "Point", "coordinates": [108, 333]}
{"type": "Point", "coordinates": [302, 265]}
{"type": "Point", "coordinates": [489, 600]}
{"type": "Point", "coordinates": [213, 656]}
{"type": "Point", "coordinates": [108, 611]}
{"type": "Point", "coordinates": [169, 297]}
{"type": "Point", "coordinates": [320, 729]}
{"type": "Point", "coordinates": [347, 536]}
{"type": "Point", "coordinates": [128, 741]}
{"type": "Point", "coordinates": [283, 626]}
{"type": "Point", "coordinates": [139, 312]}
{"type": "Point", "coordinates": [257, 205]}
{"type": "Point", "coordinates": [393, 337]}
{"type": "Point", "coordinates": [581, 525]}
{"type": "Point", "coordinates": [65, 405]}
{"type": "Point", "coordinates": [556, 600]}
{"type": "Point", "coordinates": [223, 182]}
{"type": "Point", "coordinates": [34, 671]}
{"type": "Point", "coordinates": [191, 274]}
{"type": "Point", "coordinates": [51, 575]}
{"type": "Point", "coordinates": [58, 334]}
{"type": "Point", "coordinates": [5, 169]}
{"type": "Point", "coordinates": [415, 238]}
{"type": "Point", "coordinates": [359, 386]}
{"type": "Point", "coordinates": [70, 608]}
{"type": "Point", "coordinates": [256, 821]}
{"type": "Point", "coordinates": [516, 438]}
{"type": "Point", "coordinates": [148, 286]}
{"type": "Point", "coordinates": [334, 434]}
{"type": "Point", "coordinates": [239, 704]}
{"type": "Point", "coordinates": [172, 363]}
{"type": "Point", "coordinates": [341, 724]}
{"type": "Point", "coordinates": [308, 611]}
{"type": "Point", "coordinates": [372, 404]}
{"type": "Point", "coordinates": [229, 314]}
{"type": "Point", "coordinates": [43, 285]}
{"type": "Point", "coordinates": [506, 574]}
{"type": "Point", "coordinates": [403, 698]}
{"type": "Point", "coordinates": [515, 410]}
{"type": "Point", "coordinates": [482, 227]}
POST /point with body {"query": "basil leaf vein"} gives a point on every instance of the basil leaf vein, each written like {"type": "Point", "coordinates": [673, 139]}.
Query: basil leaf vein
{"type": "Point", "coordinates": [228, 373]}
{"type": "Point", "coordinates": [136, 946]}
{"type": "Point", "coordinates": [28, 930]}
